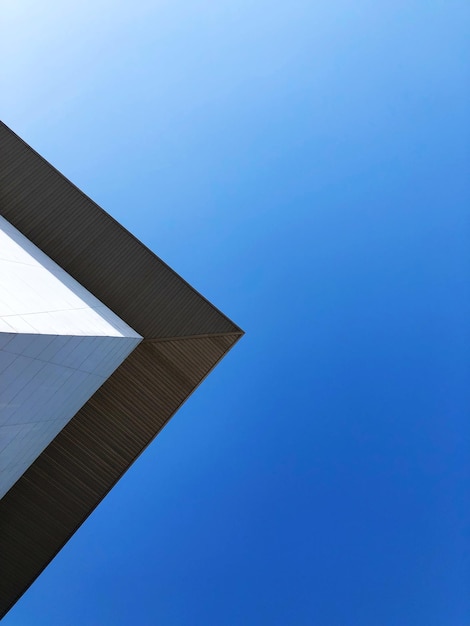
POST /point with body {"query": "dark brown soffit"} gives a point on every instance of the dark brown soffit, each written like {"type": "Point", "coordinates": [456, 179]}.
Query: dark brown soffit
{"type": "Point", "coordinates": [97, 251]}
{"type": "Point", "coordinates": [184, 338]}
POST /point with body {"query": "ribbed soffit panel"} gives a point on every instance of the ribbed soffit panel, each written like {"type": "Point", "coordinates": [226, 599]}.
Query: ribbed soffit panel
{"type": "Point", "coordinates": [96, 250]}
{"type": "Point", "coordinates": [184, 337]}
{"type": "Point", "coordinates": [58, 492]}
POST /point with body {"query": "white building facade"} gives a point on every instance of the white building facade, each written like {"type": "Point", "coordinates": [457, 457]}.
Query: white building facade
{"type": "Point", "coordinates": [58, 345]}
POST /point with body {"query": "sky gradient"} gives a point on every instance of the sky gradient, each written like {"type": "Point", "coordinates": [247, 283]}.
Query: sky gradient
{"type": "Point", "coordinates": [305, 166]}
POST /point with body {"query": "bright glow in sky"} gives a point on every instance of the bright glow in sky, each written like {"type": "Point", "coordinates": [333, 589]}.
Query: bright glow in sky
{"type": "Point", "coordinates": [305, 166]}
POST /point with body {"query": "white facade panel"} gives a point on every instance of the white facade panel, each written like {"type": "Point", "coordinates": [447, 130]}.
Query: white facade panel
{"type": "Point", "coordinates": [38, 296]}
{"type": "Point", "coordinates": [58, 345]}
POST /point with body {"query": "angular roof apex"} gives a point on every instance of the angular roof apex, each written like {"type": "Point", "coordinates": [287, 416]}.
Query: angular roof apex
{"type": "Point", "coordinates": [184, 338]}
{"type": "Point", "coordinates": [97, 251]}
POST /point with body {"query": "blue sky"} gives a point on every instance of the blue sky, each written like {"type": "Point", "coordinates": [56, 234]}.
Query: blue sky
{"type": "Point", "coordinates": [305, 166]}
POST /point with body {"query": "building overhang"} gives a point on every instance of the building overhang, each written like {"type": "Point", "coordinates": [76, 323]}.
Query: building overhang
{"type": "Point", "coordinates": [184, 337]}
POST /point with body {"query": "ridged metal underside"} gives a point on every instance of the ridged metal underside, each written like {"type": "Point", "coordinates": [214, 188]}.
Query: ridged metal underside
{"type": "Point", "coordinates": [184, 338]}
{"type": "Point", "coordinates": [97, 251]}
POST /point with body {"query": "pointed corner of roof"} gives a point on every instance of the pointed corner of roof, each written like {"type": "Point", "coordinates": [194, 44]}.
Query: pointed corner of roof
{"type": "Point", "coordinates": [98, 252]}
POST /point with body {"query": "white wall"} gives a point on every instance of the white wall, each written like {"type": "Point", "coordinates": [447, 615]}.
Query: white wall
{"type": "Point", "coordinates": [58, 344]}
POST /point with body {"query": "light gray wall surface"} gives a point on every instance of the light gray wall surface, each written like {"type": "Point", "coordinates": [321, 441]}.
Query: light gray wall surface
{"type": "Point", "coordinates": [58, 344]}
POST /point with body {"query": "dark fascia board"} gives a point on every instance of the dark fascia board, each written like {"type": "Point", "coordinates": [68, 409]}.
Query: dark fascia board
{"type": "Point", "coordinates": [97, 251]}
{"type": "Point", "coordinates": [184, 338]}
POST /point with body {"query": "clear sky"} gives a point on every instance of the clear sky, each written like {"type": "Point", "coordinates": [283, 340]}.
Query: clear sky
{"type": "Point", "coordinates": [304, 165]}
